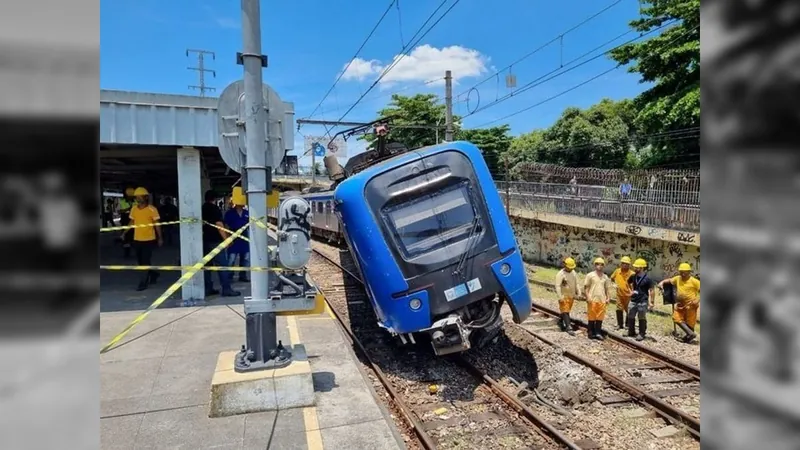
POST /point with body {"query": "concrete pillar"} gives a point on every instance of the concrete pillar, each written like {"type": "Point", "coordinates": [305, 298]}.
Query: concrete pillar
{"type": "Point", "coordinates": [190, 205]}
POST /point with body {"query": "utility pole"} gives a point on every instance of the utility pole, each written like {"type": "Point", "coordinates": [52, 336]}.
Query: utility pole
{"type": "Point", "coordinates": [448, 102]}
{"type": "Point", "coordinates": [261, 333]}
{"type": "Point", "coordinates": [201, 69]}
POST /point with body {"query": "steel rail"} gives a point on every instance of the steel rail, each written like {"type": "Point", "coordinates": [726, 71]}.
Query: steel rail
{"type": "Point", "coordinates": [668, 412]}
{"type": "Point", "coordinates": [673, 363]}
{"type": "Point", "coordinates": [541, 426]}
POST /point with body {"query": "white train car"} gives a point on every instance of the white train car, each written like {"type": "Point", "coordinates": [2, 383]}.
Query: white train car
{"type": "Point", "coordinates": [324, 223]}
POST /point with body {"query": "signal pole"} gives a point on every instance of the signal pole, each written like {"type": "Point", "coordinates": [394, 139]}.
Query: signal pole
{"type": "Point", "coordinates": [261, 332]}
{"type": "Point", "coordinates": [201, 69]}
{"type": "Point", "coordinates": [448, 102]}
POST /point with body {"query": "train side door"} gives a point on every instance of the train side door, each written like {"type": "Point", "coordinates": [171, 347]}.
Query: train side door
{"type": "Point", "coordinates": [328, 214]}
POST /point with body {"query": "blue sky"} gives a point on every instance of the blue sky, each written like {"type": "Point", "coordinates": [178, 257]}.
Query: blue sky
{"type": "Point", "coordinates": [143, 44]}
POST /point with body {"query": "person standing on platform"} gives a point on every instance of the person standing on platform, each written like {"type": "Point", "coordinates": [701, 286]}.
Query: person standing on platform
{"type": "Point", "coordinates": [212, 237]}
{"type": "Point", "coordinates": [169, 213]}
{"type": "Point", "coordinates": [236, 218]}
{"type": "Point", "coordinates": [567, 289]}
{"type": "Point", "coordinates": [620, 277]}
{"type": "Point", "coordinates": [108, 213]}
{"type": "Point", "coordinates": [688, 299]}
{"type": "Point", "coordinates": [125, 204]}
{"type": "Point", "coordinates": [596, 288]}
{"type": "Point", "coordinates": [145, 239]}
{"type": "Point", "coordinates": [642, 299]}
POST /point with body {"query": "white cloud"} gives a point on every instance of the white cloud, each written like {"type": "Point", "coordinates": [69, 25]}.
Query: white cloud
{"type": "Point", "coordinates": [424, 63]}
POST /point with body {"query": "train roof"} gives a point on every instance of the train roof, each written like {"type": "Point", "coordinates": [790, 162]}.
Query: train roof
{"type": "Point", "coordinates": [468, 148]}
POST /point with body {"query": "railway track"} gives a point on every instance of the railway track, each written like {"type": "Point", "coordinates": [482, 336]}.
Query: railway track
{"type": "Point", "coordinates": [480, 402]}
{"type": "Point", "coordinates": [642, 374]}
{"type": "Point", "coordinates": [447, 403]}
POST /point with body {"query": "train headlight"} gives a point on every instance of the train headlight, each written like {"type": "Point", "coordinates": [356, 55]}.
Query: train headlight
{"type": "Point", "coordinates": [415, 304]}
{"type": "Point", "coordinates": [505, 269]}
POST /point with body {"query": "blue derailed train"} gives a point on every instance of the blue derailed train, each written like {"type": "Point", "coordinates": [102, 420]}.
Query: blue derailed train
{"type": "Point", "coordinates": [429, 234]}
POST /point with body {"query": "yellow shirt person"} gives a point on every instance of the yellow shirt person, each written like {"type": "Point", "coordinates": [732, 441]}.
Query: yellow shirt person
{"type": "Point", "coordinates": [147, 215]}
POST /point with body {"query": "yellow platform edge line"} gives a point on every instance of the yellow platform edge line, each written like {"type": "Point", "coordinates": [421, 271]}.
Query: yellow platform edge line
{"type": "Point", "coordinates": [313, 435]}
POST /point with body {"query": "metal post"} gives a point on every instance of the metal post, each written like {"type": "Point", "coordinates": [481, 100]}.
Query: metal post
{"type": "Point", "coordinates": [313, 169]}
{"type": "Point", "coordinates": [448, 102]}
{"type": "Point", "coordinates": [262, 351]}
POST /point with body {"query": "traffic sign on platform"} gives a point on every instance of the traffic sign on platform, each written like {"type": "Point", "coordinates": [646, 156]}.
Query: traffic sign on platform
{"type": "Point", "coordinates": [231, 118]}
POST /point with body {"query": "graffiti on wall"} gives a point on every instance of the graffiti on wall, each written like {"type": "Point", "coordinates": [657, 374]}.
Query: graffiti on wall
{"type": "Point", "coordinates": [550, 243]}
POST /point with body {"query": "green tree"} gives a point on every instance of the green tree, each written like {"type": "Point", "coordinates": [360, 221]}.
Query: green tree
{"type": "Point", "coordinates": [523, 149]}
{"type": "Point", "coordinates": [493, 143]}
{"type": "Point", "coordinates": [421, 109]}
{"type": "Point", "coordinates": [671, 61]}
{"type": "Point", "coordinates": [595, 137]}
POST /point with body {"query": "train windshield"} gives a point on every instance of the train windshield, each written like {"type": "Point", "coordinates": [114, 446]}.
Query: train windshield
{"type": "Point", "coordinates": [433, 221]}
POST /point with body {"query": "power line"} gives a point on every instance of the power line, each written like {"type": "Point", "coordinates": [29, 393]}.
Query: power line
{"type": "Point", "coordinates": [404, 52]}
{"type": "Point", "coordinates": [544, 78]}
{"type": "Point", "coordinates": [416, 85]}
{"type": "Point", "coordinates": [383, 16]}
{"type": "Point", "coordinates": [543, 46]}
{"type": "Point", "coordinates": [531, 85]}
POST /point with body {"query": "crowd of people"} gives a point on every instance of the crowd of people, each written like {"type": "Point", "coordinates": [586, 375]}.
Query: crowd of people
{"type": "Point", "coordinates": [151, 229]}
{"type": "Point", "coordinates": [635, 294]}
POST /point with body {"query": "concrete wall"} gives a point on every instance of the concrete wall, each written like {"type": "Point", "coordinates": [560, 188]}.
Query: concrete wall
{"type": "Point", "coordinates": [549, 243]}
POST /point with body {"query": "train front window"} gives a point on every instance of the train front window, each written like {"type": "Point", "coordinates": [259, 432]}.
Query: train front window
{"type": "Point", "coordinates": [432, 221]}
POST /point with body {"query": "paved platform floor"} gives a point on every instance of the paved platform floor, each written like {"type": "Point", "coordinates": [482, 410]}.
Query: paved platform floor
{"type": "Point", "coordinates": [155, 385]}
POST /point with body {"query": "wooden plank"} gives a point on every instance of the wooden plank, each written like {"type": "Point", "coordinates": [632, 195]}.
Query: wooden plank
{"type": "Point", "coordinates": [434, 424]}
{"type": "Point", "coordinates": [691, 390]}
{"type": "Point", "coordinates": [485, 417]}
{"type": "Point", "coordinates": [612, 399]}
{"type": "Point", "coordinates": [663, 379]}
{"type": "Point", "coordinates": [650, 365]}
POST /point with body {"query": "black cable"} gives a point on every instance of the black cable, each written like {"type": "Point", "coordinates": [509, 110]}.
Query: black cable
{"type": "Point", "coordinates": [388, 8]}
{"type": "Point", "coordinates": [404, 53]}
{"type": "Point", "coordinates": [543, 79]}
{"type": "Point", "coordinates": [530, 86]}
{"type": "Point", "coordinates": [543, 46]}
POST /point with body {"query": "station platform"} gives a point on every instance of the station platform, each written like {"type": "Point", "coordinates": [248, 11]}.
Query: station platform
{"type": "Point", "coordinates": [156, 383]}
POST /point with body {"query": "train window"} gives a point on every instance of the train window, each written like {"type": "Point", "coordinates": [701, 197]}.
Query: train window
{"type": "Point", "coordinates": [319, 207]}
{"type": "Point", "coordinates": [432, 221]}
{"type": "Point", "coordinates": [328, 207]}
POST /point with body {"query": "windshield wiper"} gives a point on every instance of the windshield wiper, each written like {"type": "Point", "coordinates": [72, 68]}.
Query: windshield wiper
{"type": "Point", "coordinates": [476, 226]}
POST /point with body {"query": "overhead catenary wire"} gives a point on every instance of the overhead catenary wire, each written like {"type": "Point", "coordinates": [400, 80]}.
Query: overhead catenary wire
{"type": "Point", "coordinates": [553, 75]}
{"type": "Point", "coordinates": [341, 74]}
{"type": "Point", "coordinates": [569, 89]}
{"type": "Point", "coordinates": [412, 43]}
{"type": "Point", "coordinates": [560, 36]}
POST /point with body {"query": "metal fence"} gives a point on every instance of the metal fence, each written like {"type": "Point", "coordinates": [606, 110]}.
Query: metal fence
{"type": "Point", "coordinates": [673, 209]}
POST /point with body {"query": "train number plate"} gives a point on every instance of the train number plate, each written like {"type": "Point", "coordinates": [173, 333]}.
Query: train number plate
{"type": "Point", "coordinates": [456, 292]}
{"type": "Point", "coordinates": [462, 289]}
{"type": "Point", "coordinates": [474, 284]}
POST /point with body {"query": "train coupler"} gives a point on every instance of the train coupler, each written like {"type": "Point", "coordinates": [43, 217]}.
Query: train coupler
{"type": "Point", "coordinates": [449, 335]}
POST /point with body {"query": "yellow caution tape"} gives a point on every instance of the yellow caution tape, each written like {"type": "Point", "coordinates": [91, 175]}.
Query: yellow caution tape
{"type": "Point", "coordinates": [224, 229]}
{"type": "Point", "coordinates": [175, 286]}
{"type": "Point", "coordinates": [214, 268]}
{"type": "Point", "coordinates": [157, 224]}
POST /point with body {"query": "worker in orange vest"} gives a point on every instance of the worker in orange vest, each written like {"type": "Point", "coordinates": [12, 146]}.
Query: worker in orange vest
{"type": "Point", "coordinates": [620, 278]}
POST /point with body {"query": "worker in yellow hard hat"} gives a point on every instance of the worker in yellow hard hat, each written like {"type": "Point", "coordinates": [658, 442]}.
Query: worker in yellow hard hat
{"type": "Point", "coordinates": [234, 219]}
{"type": "Point", "coordinates": [596, 287]}
{"type": "Point", "coordinates": [145, 238]}
{"type": "Point", "coordinates": [125, 204]}
{"type": "Point", "coordinates": [567, 289]}
{"type": "Point", "coordinates": [620, 277]}
{"type": "Point", "coordinates": [688, 300]}
{"type": "Point", "coordinates": [642, 299]}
